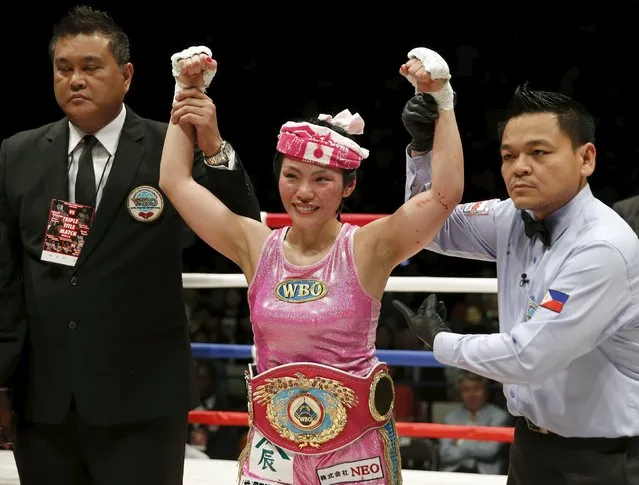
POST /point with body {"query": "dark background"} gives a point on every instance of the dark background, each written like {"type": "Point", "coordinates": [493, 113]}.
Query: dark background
{"type": "Point", "coordinates": [282, 60]}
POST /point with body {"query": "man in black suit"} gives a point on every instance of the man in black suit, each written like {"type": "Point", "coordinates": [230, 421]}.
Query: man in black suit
{"type": "Point", "coordinates": [106, 378]}
{"type": "Point", "coordinates": [628, 209]}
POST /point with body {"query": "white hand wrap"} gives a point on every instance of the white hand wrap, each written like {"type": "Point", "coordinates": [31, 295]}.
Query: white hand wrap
{"type": "Point", "coordinates": [185, 54]}
{"type": "Point", "coordinates": [438, 69]}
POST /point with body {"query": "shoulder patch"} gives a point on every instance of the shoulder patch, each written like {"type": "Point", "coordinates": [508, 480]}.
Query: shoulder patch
{"type": "Point", "coordinates": [480, 208]}
{"type": "Point", "coordinates": [554, 300]}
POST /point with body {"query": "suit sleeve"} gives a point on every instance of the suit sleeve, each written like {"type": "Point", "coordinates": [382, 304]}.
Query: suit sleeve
{"type": "Point", "coordinates": [12, 314]}
{"type": "Point", "coordinates": [471, 229]}
{"type": "Point", "coordinates": [232, 185]}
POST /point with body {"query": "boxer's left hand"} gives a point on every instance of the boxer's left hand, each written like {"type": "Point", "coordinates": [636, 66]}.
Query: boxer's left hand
{"type": "Point", "coordinates": [196, 108]}
{"type": "Point", "coordinates": [429, 73]}
{"type": "Point", "coordinates": [429, 320]}
{"type": "Point", "coordinates": [415, 71]}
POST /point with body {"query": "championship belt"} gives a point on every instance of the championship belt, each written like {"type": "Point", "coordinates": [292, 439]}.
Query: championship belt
{"type": "Point", "coordinates": [313, 409]}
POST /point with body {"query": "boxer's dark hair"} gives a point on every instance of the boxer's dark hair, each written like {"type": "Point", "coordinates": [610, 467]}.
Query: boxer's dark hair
{"type": "Point", "coordinates": [84, 20]}
{"type": "Point", "coordinates": [572, 117]}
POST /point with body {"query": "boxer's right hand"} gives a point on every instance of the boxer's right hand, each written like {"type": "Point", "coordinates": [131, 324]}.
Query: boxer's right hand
{"type": "Point", "coordinates": [429, 73]}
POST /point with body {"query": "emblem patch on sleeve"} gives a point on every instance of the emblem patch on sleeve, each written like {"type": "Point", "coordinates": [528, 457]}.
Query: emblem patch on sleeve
{"type": "Point", "coordinates": [531, 308]}
{"type": "Point", "coordinates": [480, 208]}
{"type": "Point", "coordinates": [554, 300]}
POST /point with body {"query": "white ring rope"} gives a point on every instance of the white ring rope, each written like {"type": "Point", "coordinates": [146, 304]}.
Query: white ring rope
{"type": "Point", "coordinates": [406, 284]}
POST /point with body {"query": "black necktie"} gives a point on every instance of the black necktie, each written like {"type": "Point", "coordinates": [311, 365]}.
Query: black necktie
{"type": "Point", "coordinates": [85, 191]}
{"type": "Point", "coordinates": [536, 228]}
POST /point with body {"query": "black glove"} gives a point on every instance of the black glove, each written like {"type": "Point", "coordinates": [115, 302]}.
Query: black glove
{"type": "Point", "coordinates": [429, 320]}
{"type": "Point", "coordinates": [418, 116]}
{"type": "Point", "coordinates": [7, 431]}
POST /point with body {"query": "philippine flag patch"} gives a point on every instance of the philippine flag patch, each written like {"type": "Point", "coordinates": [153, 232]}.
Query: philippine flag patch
{"type": "Point", "coordinates": [554, 300]}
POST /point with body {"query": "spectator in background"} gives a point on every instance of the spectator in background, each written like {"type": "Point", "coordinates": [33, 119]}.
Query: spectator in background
{"type": "Point", "coordinates": [471, 456]}
{"type": "Point", "coordinates": [213, 440]}
{"type": "Point", "coordinates": [385, 337]}
{"type": "Point", "coordinates": [628, 209]}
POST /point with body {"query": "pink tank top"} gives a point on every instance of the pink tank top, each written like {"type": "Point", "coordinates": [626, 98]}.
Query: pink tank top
{"type": "Point", "coordinates": [318, 313]}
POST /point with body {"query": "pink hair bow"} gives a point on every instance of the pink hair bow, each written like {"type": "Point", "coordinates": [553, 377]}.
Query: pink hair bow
{"type": "Point", "coordinates": [352, 123]}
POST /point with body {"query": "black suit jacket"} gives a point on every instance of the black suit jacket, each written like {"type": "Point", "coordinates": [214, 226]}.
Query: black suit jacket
{"type": "Point", "coordinates": [628, 209]}
{"type": "Point", "coordinates": [111, 332]}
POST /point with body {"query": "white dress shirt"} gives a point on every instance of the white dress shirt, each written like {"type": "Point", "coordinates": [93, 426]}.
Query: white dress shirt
{"type": "Point", "coordinates": [103, 153]}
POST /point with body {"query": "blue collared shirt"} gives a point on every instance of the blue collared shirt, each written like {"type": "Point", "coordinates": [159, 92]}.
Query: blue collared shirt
{"type": "Point", "coordinates": [484, 455]}
{"type": "Point", "coordinates": [568, 351]}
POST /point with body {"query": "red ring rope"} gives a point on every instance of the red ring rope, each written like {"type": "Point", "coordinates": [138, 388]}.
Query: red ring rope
{"type": "Point", "coordinates": [275, 221]}
{"type": "Point", "coordinates": [415, 430]}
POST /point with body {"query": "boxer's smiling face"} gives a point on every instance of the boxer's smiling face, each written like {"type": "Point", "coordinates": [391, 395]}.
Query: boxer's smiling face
{"type": "Point", "coordinates": [310, 193]}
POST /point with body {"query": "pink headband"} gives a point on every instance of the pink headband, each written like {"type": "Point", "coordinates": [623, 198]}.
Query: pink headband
{"type": "Point", "coordinates": [322, 146]}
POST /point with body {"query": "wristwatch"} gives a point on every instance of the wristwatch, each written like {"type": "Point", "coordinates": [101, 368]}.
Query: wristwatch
{"type": "Point", "coordinates": [223, 157]}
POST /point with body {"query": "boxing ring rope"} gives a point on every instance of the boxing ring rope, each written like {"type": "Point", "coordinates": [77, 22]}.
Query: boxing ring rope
{"type": "Point", "coordinates": [399, 284]}
{"type": "Point", "coordinates": [502, 434]}
{"type": "Point", "coordinates": [410, 358]}
{"type": "Point", "coordinates": [391, 357]}
{"type": "Point", "coordinates": [405, 284]}
{"type": "Point", "coordinates": [274, 220]}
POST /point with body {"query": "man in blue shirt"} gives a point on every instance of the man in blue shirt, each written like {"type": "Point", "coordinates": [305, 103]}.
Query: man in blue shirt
{"type": "Point", "coordinates": [473, 456]}
{"type": "Point", "coordinates": [568, 278]}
